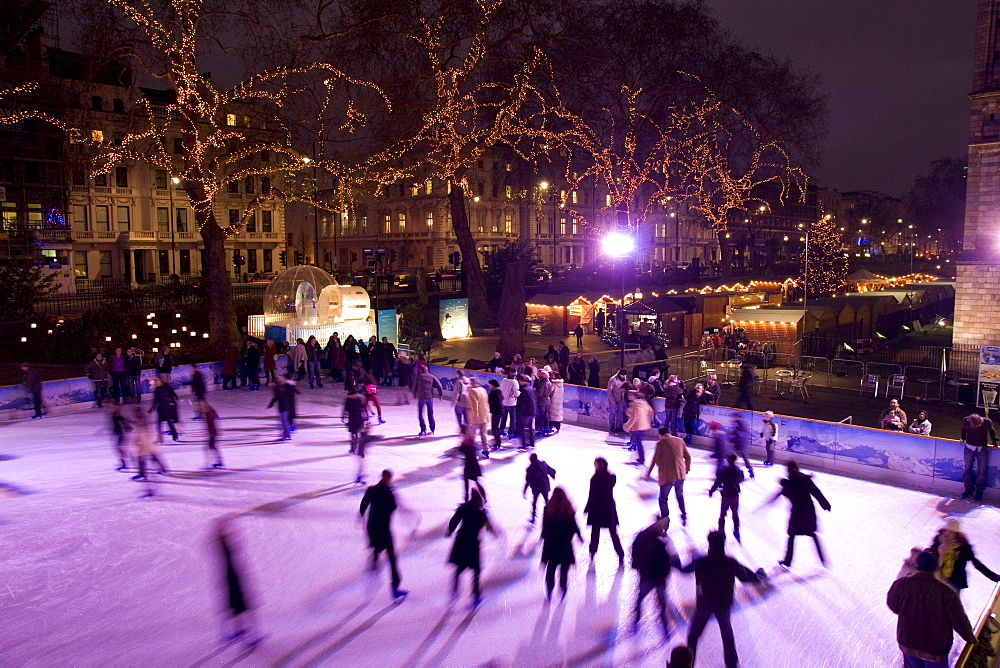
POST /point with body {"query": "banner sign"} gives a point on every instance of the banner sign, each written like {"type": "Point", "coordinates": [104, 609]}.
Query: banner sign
{"type": "Point", "coordinates": [388, 326]}
{"type": "Point", "coordinates": [989, 376]}
{"type": "Point", "coordinates": [454, 314]}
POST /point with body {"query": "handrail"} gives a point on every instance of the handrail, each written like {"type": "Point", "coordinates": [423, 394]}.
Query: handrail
{"type": "Point", "coordinates": [847, 420]}
{"type": "Point", "coordinates": [982, 654]}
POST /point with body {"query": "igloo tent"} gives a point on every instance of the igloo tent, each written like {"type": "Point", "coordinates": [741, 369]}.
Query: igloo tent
{"type": "Point", "coordinates": [306, 301]}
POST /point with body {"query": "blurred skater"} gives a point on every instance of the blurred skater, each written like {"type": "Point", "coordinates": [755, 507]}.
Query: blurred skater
{"type": "Point", "coordinates": [165, 405]}
{"type": "Point", "coordinates": [640, 420]}
{"type": "Point", "coordinates": [558, 528]}
{"type": "Point", "coordinates": [469, 519]}
{"type": "Point", "coordinates": [727, 481]}
{"type": "Point", "coordinates": [354, 414]}
{"type": "Point", "coordinates": [715, 575]}
{"type": "Point", "coordinates": [954, 554]}
{"type": "Point", "coordinates": [284, 398]}
{"type": "Point", "coordinates": [800, 490]}
{"type": "Point", "coordinates": [237, 623]}
{"type": "Point", "coordinates": [145, 446]}
{"type": "Point", "coordinates": [536, 478]}
{"type": "Point", "coordinates": [380, 502]}
{"type": "Point", "coordinates": [601, 510]}
{"type": "Point", "coordinates": [471, 471]}
{"type": "Point", "coordinates": [740, 443]}
{"type": "Point", "coordinates": [211, 419]}
{"type": "Point", "coordinates": [653, 555]}
{"type": "Point", "coordinates": [120, 427]}
{"type": "Point", "coordinates": [477, 414]}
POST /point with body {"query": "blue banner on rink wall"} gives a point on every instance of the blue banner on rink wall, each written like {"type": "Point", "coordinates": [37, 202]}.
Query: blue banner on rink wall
{"type": "Point", "coordinates": [388, 326]}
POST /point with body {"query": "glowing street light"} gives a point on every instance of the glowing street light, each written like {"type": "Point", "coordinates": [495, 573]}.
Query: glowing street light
{"type": "Point", "coordinates": [617, 244]}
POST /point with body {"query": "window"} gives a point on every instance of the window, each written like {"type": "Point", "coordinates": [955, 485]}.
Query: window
{"type": "Point", "coordinates": [185, 262]}
{"type": "Point", "coordinates": [496, 222]}
{"type": "Point", "coordinates": [79, 175]}
{"type": "Point", "coordinates": [251, 255]}
{"type": "Point", "coordinates": [181, 220]}
{"type": "Point", "coordinates": [97, 135]}
{"type": "Point", "coordinates": [231, 120]}
{"type": "Point", "coordinates": [265, 221]}
{"type": "Point", "coordinates": [34, 214]}
{"type": "Point", "coordinates": [178, 184]}
{"type": "Point", "coordinates": [234, 217]}
{"type": "Point", "coordinates": [573, 197]}
{"type": "Point", "coordinates": [164, 262]}
{"type": "Point", "coordinates": [248, 185]}
{"type": "Point", "coordinates": [160, 179]}
{"type": "Point", "coordinates": [415, 189]}
{"type": "Point", "coordinates": [430, 219]}
{"type": "Point", "coordinates": [80, 217]}
{"type": "Point", "coordinates": [268, 266]}
{"type": "Point", "coordinates": [265, 185]}
{"type": "Point", "coordinates": [121, 177]}
{"type": "Point", "coordinates": [573, 228]}
{"type": "Point", "coordinates": [496, 190]}
{"type": "Point", "coordinates": [428, 187]}
{"type": "Point", "coordinates": [80, 264]}
{"type": "Point", "coordinates": [9, 215]}
{"type": "Point", "coordinates": [106, 271]}
{"type": "Point", "coordinates": [178, 145]}
{"type": "Point", "coordinates": [163, 220]}
{"type": "Point", "coordinates": [233, 187]}
{"type": "Point", "coordinates": [562, 225]}
{"type": "Point", "coordinates": [607, 200]}
{"type": "Point", "coordinates": [118, 105]}
{"type": "Point", "coordinates": [97, 103]}
{"type": "Point", "coordinates": [101, 180]}
{"type": "Point", "coordinates": [401, 221]}
{"type": "Point", "coordinates": [102, 219]}
{"type": "Point", "coordinates": [508, 223]}
{"type": "Point", "coordinates": [482, 221]}
{"type": "Point", "coordinates": [33, 172]}
{"type": "Point", "coordinates": [123, 216]}
{"type": "Point", "coordinates": [252, 224]}
{"type": "Point", "coordinates": [508, 192]}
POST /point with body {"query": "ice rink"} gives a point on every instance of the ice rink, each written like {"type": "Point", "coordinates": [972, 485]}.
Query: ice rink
{"type": "Point", "coordinates": [94, 575]}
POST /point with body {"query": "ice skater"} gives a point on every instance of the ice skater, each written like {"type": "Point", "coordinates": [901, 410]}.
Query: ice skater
{"type": "Point", "coordinates": [602, 513]}
{"type": "Point", "coordinates": [211, 419]}
{"type": "Point", "coordinates": [673, 462]}
{"type": "Point", "coordinates": [145, 447]}
{"type": "Point", "coordinates": [640, 420]}
{"type": "Point", "coordinates": [354, 414]}
{"type": "Point", "coordinates": [954, 554]}
{"type": "Point", "coordinates": [558, 528]}
{"type": "Point", "coordinates": [800, 490]}
{"type": "Point", "coordinates": [380, 502]}
{"type": "Point", "coordinates": [238, 621]}
{"type": "Point", "coordinates": [653, 555]}
{"type": "Point", "coordinates": [471, 471]}
{"type": "Point", "coordinates": [424, 385]}
{"type": "Point", "coordinates": [536, 478]}
{"type": "Point", "coordinates": [769, 433]}
{"type": "Point", "coordinates": [738, 438]}
{"type": "Point", "coordinates": [727, 481]}
{"type": "Point", "coordinates": [120, 427]}
{"type": "Point", "coordinates": [469, 519]}
{"type": "Point", "coordinates": [165, 405]}
{"type": "Point", "coordinates": [715, 575]}
{"type": "Point", "coordinates": [284, 397]}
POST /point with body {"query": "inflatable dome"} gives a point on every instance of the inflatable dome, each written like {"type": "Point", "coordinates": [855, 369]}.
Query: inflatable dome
{"type": "Point", "coordinates": [294, 293]}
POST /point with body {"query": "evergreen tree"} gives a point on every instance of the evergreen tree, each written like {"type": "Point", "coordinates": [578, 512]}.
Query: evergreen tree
{"type": "Point", "coordinates": [828, 266]}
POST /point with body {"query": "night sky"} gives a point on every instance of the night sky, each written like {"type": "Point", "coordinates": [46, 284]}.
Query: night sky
{"type": "Point", "coordinates": [897, 73]}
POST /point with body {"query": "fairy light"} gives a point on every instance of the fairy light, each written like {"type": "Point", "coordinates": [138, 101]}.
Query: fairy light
{"type": "Point", "coordinates": [827, 265]}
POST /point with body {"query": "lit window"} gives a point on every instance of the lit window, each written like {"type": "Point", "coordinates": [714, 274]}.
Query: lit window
{"type": "Point", "coordinates": [562, 226]}
{"type": "Point", "coordinates": [607, 200]}
{"type": "Point", "coordinates": [430, 218]}
{"type": "Point", "coordinates": [388, 223]}
{"type": "Point", "coordinates": [231, 120]}
{"type": "Point", "coordinates": [97, 135]}
{"type": "Point", "coordinates": [573, 197]}
{"type": "Point", "coordinates": [415, 189]}
{"type": "Point", "coordinates": [508, 223]}
{"type": "Point", "coordinates": [401, 219]}
{"type": "Point", "coordinates": [573, 228]}
{"type": "Point", "coordinates": [508, 192]}
{"type": "Point", "coordinates": [428, 187]}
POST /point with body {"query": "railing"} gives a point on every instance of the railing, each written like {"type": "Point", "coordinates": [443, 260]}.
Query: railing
{"type": "Point", "coordinates": [123, 191]}
{"type": "Point", "coordinates": [982, 654]}
{"type": "Point", "coordinates": [185, 236]}
{"type": "Point", "coordinates": [847, 420]}
{"type": "Point", "coordinates": [107, 235]}
{"type": "Point", "coordinates": [161, 193]}
{"type": "Point", "coordinates": [102, 190]}
{"type": "Point", "coordinates": [143, 235]}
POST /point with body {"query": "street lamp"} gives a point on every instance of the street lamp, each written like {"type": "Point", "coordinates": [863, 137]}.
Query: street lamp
{"type": "Point", "coordinates": [619, 245]}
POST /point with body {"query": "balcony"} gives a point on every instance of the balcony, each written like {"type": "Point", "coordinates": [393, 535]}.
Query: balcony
{"type": "Point", "coordinates": [123, 191]}
{"type": "Point", "coordinates": [83, 234]}
{"type": "Point", "coordinates": [185, 236]}
{"type": "Point", "coordinates": [102, 191]}
{"type": "Point", "coordinates": [107, 236]}
{"type": "Point", "coordinates": [142, 235]}
{"type": "Point", "coordinates": [161, 193]}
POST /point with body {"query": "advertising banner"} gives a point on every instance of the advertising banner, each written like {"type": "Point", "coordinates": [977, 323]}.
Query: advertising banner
{"type": "Point", "coordinates": [454, 314]}
{"type": "Point", "coordinates": [989, 376]}
{"type": "Point", "coordinates": [388, 326]}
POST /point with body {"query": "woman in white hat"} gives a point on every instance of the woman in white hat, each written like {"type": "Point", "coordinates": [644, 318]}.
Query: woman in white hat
{"type": "Point", "coordinates": [769, 432]}
{"type": "Point", "coordinates": [954, 553]}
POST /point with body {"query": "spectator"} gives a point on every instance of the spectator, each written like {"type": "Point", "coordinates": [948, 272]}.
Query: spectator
{"type": "Point", "coordinates": [164, 364]}
{"type": "Point", "coordinates": [713, 391]}
{"type": "Point", "coordinates": [97, 372]}
{"type": "Point", "coordinates": [692, 409]}
{"type": "Point", "coordinates": [673, 391]}
{"type": "Point", "coordinates": [745, 385]}
{"type": "Point", "coordinates": [893, 418]}
{"type": "Point", "coordinates": [578, 333]}
{"type": "Point", "coordinates": [928, 612]}
{"type": "Point", "coordinates": [769, 432]}
{"type": "Point", "coordinates": [977, 431]}
{"type": "Point", "coordinates": [388, 361]}
{"type": "Point", "coordinates": [527, 406]}
{"type": "Point", "coordinates": [336, 358]}
{"type": "Point", "coordinates": [563, 360]}
{"type": "Point", "coordinates": [617, 400]}
{"type": "Point", "coordinates": [33, 385]}
{"type": "Point", "coordinates": [577, 371]}
{"type": "Point", "coordinates": [496, 410]}
{"type": "Point", "coordinates": [593, 372]}
{"type": "Point", "coordinates": [270, 357]}
{"type": "Point", "coordinates": [509, 389]}
{"type": "Point", "coordinates": [921, 424]}
{"type": "Point", "coordinates": [313, 352]}
{"type": "Point", "coordinates": [495, 365]}
{"type": "Point", "coordinates": [298, 358]}
{"type": "Point", "coordinates": [543, 395]}
{"type": "Point", "coordinates": [556, 405]}
{"type": "Point", "coordinates": [229, 367]}
{"type": "Point", "coordinates": [119, 384]}
{"type": "Point", "coordinates": [133, 371]}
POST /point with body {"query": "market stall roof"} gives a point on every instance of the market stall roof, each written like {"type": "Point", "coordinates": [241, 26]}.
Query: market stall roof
{"type": "Point", "coordinates": [664, 304]}
{"type": "Point", "coordinates": [562, 299]}
{"type": "Point", "coordinates": [766, 315]}
{"type": "Point", "coordinates": [864, 276]}
{"type": "Point", "coordinates": [639, 308]}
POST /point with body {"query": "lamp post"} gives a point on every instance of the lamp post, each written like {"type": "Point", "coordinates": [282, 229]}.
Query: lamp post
{"type": "Point", "coordinates": [619, 245]}
{"type": "Point", "coordinates": [805, 275]}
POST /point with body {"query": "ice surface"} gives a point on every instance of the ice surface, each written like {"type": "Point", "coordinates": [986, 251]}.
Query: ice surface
{"type": "Point", "coordinates": [95, 575]}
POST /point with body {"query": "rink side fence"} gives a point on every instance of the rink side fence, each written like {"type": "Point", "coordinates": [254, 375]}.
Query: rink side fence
{"type": "Point", "coordinates": [906, 460]}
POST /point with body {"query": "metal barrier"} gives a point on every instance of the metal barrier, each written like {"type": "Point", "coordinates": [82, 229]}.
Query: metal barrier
{"type": "Point", "coordinates": [986, 628]}
{"type": "Point", "coordinates": [883, 369]}
{"type": "Point", "coordinates": [815, 365]}
{"type": "Point", "coordinates": [847, 420]}
{"type": "Point", "coordinates": [846, 374]}
{"type": "Point", "coordinates": [925, 377]}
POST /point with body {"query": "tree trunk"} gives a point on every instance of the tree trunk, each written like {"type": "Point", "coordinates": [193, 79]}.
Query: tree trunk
{"type": "Point", "coordinates": [725, 255]}
{"type": "Point", "coordinates": [472, 271]}
{"type": "Point", "coordinates": [221, 317]}
{"type": "Point", "coordinates": [513, 312]}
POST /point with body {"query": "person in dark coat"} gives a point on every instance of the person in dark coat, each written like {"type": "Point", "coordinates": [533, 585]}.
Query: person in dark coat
{"type": "Point", "coordinates": [229, 367]}
{"type": "Point", "coordinates": [691, 412]}
{"type": "Point", "coordinates": [471, 471]}
{"type": "Point", "coordinates": [594, 372]}
{"type": "Point", "coordinates": [238, 606]}
{"type": "Point", "coordinates": [653, 556]}
{"type": "Point", "coordinates": [97, 372]}
{"type": "Point", "coordinates": [715, 575]}
{"type": "Point", "coordinates": [284, 397]}
{"type": "Point", "coordinates": [388, 361]}
{"type": "Point", "coordinates": [727, 481]}
{"type": "Point", "coordinates": [251, 367]}
{"type": "Point", "coordinates": [977, 431]}
{"type": "Point", "coordinates": [601, 510]}
{"type": "Point", "coordinates": [929, 614]}
{"type": "Point", "coordinates": [563, 351]}
{"type": "Point", "coordinates": [33, 385]}
{"type": "Point", "coordinates": [133, 373]}
{"type": "Point", "coordinates": [354, 414]}
{"type": "Point", "coordinates": [469, 519]}
{"type": "Point", "coordinates": [558, 528]}
{"type": "Point", "coordinates": [525, 409]}
{"type": "Point", "coordinates": [496, 410]}
{"type": "Point", "coordinates": [745, 385]}
{"type": "Point", "coordinates": [578, 333]}
{"type": "Point", "coordinates": [536, 478]}
{"type": "Point", "coordinates": [120, 427]}
{"type": "Point", "coordinates": [954, 554]}
{"type": "Point", "coordinates": [165, 405]}
{"type": "Point", "coordinates": [380, 502]}
{"type": "Point", "coordinates": [800, 490]}
{"type": "Point", "coordinates": [197, 383]}
{"type": "Point", "coordinates": [577, 371]}
{"type": "Point", "coordinates": [211, 419]}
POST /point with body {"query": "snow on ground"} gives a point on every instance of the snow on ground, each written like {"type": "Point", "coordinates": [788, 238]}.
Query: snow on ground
{"type": "Point", "coordinates": [93, 574]}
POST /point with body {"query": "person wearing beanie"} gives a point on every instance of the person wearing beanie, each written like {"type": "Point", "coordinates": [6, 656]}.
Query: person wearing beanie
{"type": "Point", "coordinates": [954, 554]}
{"type": "Point", "coordinates": [769, 432]}
{"type": "Point", "coordinates": [928, 613]}
{"type": "Point", "coordinates": [716, 575]}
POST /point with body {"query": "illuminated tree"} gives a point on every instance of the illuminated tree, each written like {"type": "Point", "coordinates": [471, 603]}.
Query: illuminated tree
{"type": "Point", "coordinates": [827, 267]}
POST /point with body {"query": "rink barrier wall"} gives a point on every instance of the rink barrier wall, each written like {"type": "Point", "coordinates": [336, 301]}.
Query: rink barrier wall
{"type": "Point", "coordinates": [904, 460]}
